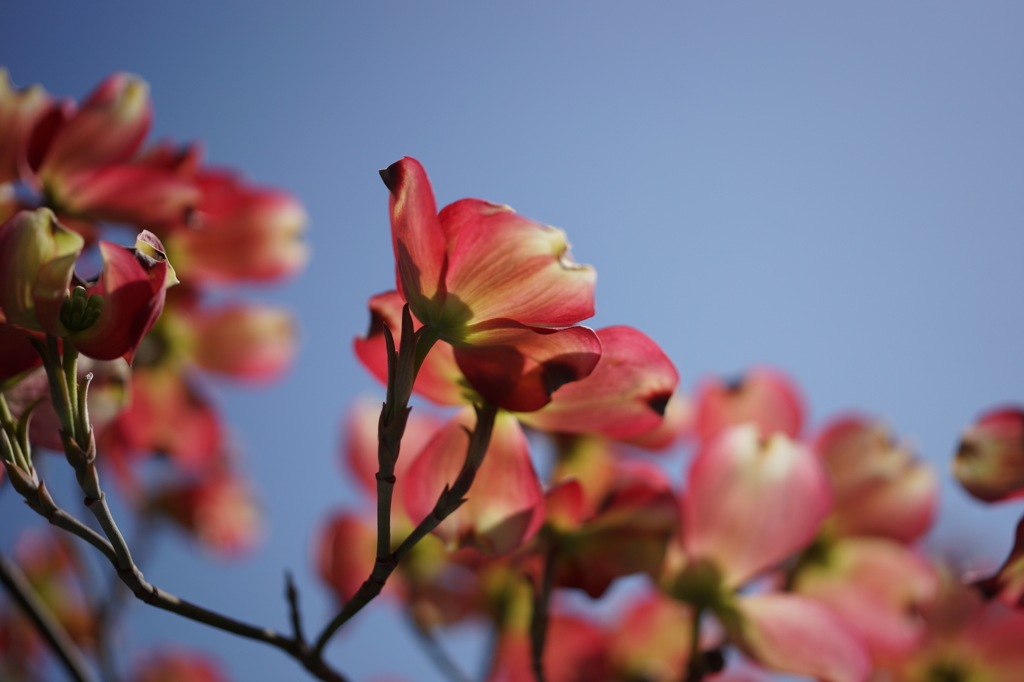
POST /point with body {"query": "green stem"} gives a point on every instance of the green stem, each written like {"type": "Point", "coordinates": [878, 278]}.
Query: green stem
{"type": "Point", "coordinates": [11, 442]}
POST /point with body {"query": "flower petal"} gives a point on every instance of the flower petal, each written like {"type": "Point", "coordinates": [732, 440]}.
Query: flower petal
{"type": "Point", "coordinates": [19, 110]}
{"type": "Point", "coordinates": [763, 395]}
{"type": "Point", "coordinates": [37, 261]}
{"type": "Point", "coordinates": [876, 585]}
{"type": "Point", "coordinates": [107, 129]}
{"type": "Point", "coordinates": [417, 238]}
{"type": "Point", "coordinates": [219, 509]}
{"type": "Point", "coordinates": [1008, 584]}
{"type": "Point", "coordinates": [132, 193]}
{"type": "Point", "coordinates": [244, 341]}
{"type": "Point", "coordinates": [133, 285]}
{"type": "Point", "coordinates": [652, 640]}
{"type": "Point", "coordinates": [167, 416]}
{"type": "Point", "coordinates": [502, 265]}
{"type": "Point", "coordinates": [518, 367]}
{"type": "Point", "coordinates": [17, 356]}
{"type": "Point", "coordinates": [241, 233]}
{"type": "Point", "coordinates": [677, 423]}
{"type": "Point", "coordinates": [630, 534]}
{"type": "Point", "coordinates": [880, 488]}
{"type": "Point", "coordinates": [990, 460]}
{"type": "Point", "coordinates": [505, 505]}
{"type": "Point", "coordinates": [624, 397]}
{"type": "Point", "coordinates": [752, 502]}
{"type": "Point", "coordinates": [798, 635]}
{"type": "Point", "coordinates": [439, 378]}
{"type": "Point", "coordinates": [344, 553]}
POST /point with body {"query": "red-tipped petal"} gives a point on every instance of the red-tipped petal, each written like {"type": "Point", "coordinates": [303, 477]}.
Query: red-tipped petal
{"type": "Point", "coordinates": [630, 534]}
{"type": "Point", "coordinates": [505, 505]}
{"type": "Point", "coordinates": [218, 509]}
{"type": "Point", "coordinates": [990, 460]}
{"type": "Point", "coordinates": [879, 487]}
{"type": "Point", "coordinates": [652, 640]}
{"type": "Point", "coordinates": [763, 396]}
{"type": "Point", "coordinates": [439, 378]}
{"type": "Point", "coordinates": [255, 342]}
{"type": "Point", "coordinates": [419, 242]}
{"type": "Point", "coordinates": [518, 367]}
{"type": "Point", "coordinates": [107, 129]}
{"type": "Point", "coordinates": [19, 110]}
{"type": "Point", "coordinates": [133, 285]}
{"type": "Point", "coordinates": [241, 233]}
{"type": "Point", "coordinates": [178, 665]}
{"type": "Point", "coordinates": [344, 553]}
{"type": "Point", "coordinates": [624, 397]}
{"type": "Point", "coordinates": [676, 424]}
{"type": "Point", "coordinates": [168, 416]}
{"type": "Point", "coordinates": [132, 193]}
{"type": "Point", "coordinates": [17, 355]}
{"type": "Point", "coordinates": [876, 585]}
{"type": "Point", "coordinates": [798, 635]}
{"type": "Point", "coordinates": [574, 651]}
{"type": "Point", "coordinates": [566, 505]}
{"type": "Point", "coordinates": [751, 502]}
{"type": "Point", "coordinates": [502, 265]}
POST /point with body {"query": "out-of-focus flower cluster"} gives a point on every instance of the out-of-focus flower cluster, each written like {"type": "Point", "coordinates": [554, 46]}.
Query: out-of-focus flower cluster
{"type": "Point", "coordinates": [71, 173]}
{"type": "Point", "coordinates": [151, 322]}
{"type": "Point", "coordinates": [787, 549]}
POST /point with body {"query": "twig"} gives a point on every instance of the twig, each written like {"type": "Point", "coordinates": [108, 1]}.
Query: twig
{"type": "Point", "coordinates": [57, 637]}
{"type": "Point", "coordinates": [451, 498]}
{"type": "Point", "coordinates": [432, 647]}
{"type": "Point", "coordinates": [541, 600]}
{"type": "Point", "coordinates": [80, 450]}
{"type": "Point", "coordinates": [292, 595]}
{"type": "Point", "coordinates": [695, 670]}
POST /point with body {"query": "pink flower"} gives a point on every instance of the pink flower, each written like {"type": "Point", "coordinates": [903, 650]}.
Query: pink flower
{"type": "Point", "coordinates": [240, 232]}
{"type": "Point", "coordinates": [500, 288]}
{"type": "Point", "coordinates": [505, 506]}
{"type": "Point", "coordinates": [105, 319]}
{"type": "Point", "coordinates": [880, 488]}
{"type": "Point", "coordinates": [763, 396]}
{"type": "Point", "coordinates": [84, 159]}
{"type": "Point", "coordinates": [990, 460]}
{"type": "Point", "coordinates": [751, 502]}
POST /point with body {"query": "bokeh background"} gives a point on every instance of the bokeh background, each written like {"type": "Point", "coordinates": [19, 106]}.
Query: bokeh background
{"type": "Point", "coordinates": [837, 190]}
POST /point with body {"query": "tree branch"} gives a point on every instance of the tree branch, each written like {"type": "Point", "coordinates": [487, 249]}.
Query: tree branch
{"type": "Point", "coordinates": [71, 657]}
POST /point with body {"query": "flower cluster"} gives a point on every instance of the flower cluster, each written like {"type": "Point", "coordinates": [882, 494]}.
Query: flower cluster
{"type": "Point", "coordinates": [781, 550]}
{"type": "Point", "coordinates": [775, 547]}
{"type": "Point", "coordinates": [73, 172]}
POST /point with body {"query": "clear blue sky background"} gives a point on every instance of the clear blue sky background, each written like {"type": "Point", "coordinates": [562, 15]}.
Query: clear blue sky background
{"type": "Point", "coordinates": [834, 189]}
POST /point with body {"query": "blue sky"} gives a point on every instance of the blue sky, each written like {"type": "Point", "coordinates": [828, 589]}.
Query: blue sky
{"type": "Point", "coordinates": [832, 189]}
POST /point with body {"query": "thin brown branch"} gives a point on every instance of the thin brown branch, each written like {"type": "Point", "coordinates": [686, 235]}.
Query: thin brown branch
{"type": "Point", "coordinates": [71, 657]}
{"type": "Point", "coordinates": [451, 498]}
{"type": "Point", "coordinates": [541, 600]}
